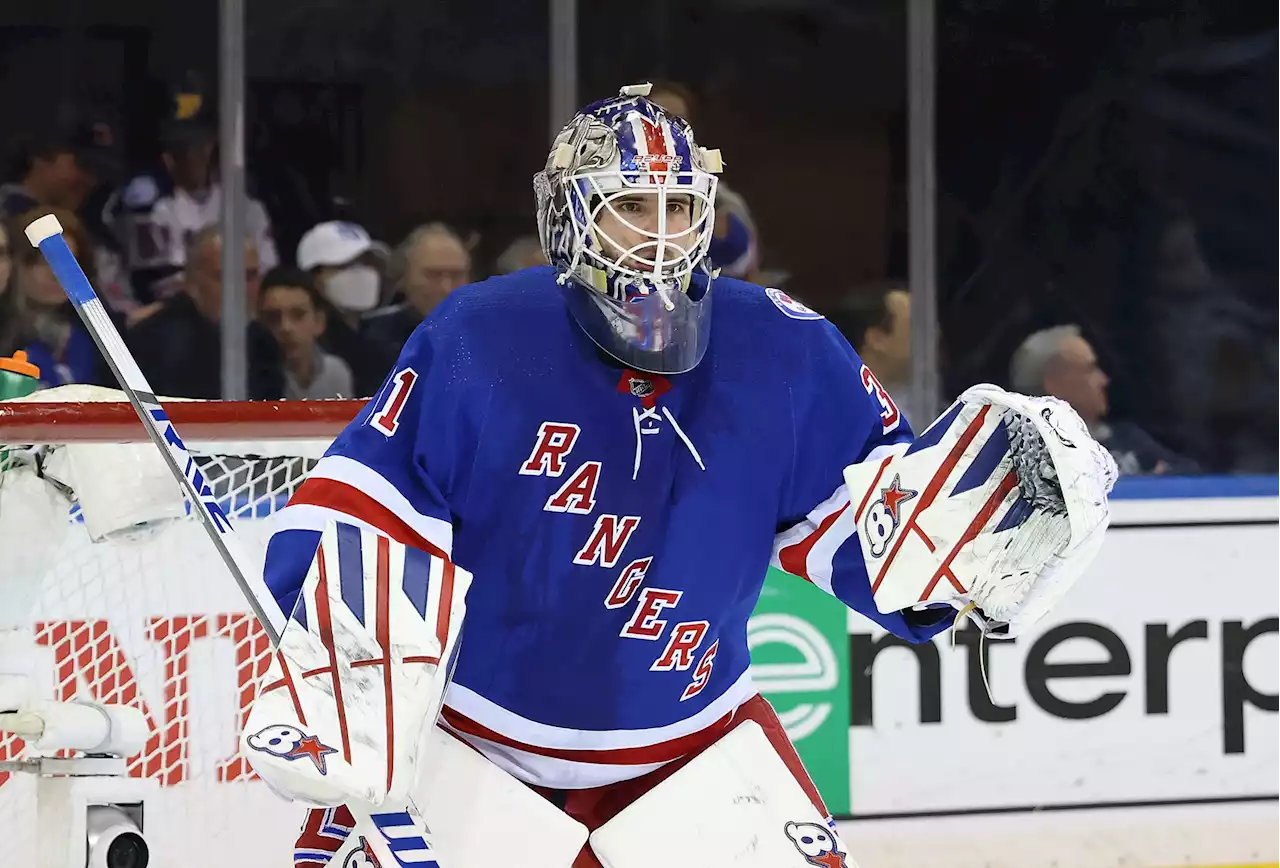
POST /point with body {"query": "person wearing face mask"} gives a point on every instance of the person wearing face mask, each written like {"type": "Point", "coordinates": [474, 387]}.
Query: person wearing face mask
{"type": "Point", "coordinates": [345, 263]}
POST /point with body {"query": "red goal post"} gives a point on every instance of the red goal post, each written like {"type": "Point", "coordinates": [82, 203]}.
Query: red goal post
{"type": "Point", "coordinates": [35, 421]}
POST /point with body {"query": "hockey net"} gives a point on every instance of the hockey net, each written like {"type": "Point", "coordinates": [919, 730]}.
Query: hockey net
{"type": "Point", "coordinates": [131, 605]}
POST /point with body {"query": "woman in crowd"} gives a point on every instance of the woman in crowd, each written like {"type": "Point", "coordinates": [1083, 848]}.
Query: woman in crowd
{"type": "Point", "coordinates": [35, 314]}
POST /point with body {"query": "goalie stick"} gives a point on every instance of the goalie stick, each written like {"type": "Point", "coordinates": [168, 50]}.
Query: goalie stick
{"type": "Point", "coordinates": [405, 838]}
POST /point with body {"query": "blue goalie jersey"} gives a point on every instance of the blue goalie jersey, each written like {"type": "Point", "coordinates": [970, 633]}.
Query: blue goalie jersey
{"type": "Point", "coordinates": [618, 524]}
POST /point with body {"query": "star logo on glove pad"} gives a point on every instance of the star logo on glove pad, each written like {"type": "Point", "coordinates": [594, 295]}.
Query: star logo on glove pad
{"type": "Point", "coordinates": [894, 496]}
{"type": "Point", "coordinates": [311, 748]}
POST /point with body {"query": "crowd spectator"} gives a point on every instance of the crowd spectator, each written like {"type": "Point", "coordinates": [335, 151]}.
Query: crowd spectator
{"type": "Point", "coordinates": [156, 213]}
{"type": "Point", "coordinates": [430, 263]}
{"type": "Point", "coordinates": [178, 343]}
{"type": "Point", "coordinates": [524, 252]}
{"type": "Point", "coordinates": [876, 320]}
{"type": "Point", "coordinates": [292, 309]}
{"type": "Point", "coordinates": [56, 168]}
{"type": "Point", "coordinates": [35, 314]}
{"type": "Point", "coordinates": [1058, 361]}
{"type": "Point", "coordinates": [345, 262]}
{"type": "Point", "coordinates": [71, 165]}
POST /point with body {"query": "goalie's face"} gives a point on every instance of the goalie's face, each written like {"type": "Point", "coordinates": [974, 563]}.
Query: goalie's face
{"type": "Point", "coordinates": [646, 232]}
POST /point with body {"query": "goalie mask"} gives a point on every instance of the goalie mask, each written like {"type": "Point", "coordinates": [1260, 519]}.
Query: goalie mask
{"type": "Point", "coordinates": [625, 214]}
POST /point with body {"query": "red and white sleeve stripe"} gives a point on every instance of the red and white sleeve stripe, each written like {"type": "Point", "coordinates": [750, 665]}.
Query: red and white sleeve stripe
{"type": "Point", "coordinates": [343, 489]}
{"type": "Point", "coordinates": [808, 548]}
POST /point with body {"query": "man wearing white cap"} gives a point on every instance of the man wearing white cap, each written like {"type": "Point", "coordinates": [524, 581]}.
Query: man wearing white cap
{"type": "Point", "coordinates": [345, 262]}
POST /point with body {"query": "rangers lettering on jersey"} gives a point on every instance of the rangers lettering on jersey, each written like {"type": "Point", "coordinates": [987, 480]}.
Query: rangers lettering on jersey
{"type": "Point", "coordinates": [608, 539]}
{"type": "Point", "coordinates": [629, 581]}
{"type": "Point", "coordinates": [555, 441]}
{"type": "Point", "coordinates": [703, 673]}
{"type": "Point", "coordinates": [578, 494]}
{"type": "Point", "coordinates": [645, 623]}
{"type": "Point", "coordinates": [685, 639]}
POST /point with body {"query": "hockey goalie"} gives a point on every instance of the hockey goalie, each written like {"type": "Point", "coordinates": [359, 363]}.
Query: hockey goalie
{"type": "Point", "coordinates": [612, 449]}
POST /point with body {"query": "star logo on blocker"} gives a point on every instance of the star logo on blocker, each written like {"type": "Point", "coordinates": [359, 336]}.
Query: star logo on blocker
{"type": "Point", "coordinates": [895, 495]}
{"type": "Point", "coordinates": [313, 749]}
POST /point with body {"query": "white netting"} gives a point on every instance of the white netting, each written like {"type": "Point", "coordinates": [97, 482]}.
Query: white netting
{"type": "Point", "coordinates": [145, 617]}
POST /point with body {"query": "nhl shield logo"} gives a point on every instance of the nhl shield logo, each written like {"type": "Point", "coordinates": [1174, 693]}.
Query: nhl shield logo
{"type": "Point", "coordinates": [641, 387]}
{"type": "Point", "coordinates": [647, 387]}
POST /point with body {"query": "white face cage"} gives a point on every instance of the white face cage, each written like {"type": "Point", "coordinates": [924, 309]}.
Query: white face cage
{"type": "Point", "coordinates": [655, 255]}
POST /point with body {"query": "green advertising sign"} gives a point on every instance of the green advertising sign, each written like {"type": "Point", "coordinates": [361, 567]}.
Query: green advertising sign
{"type": "Point", "coordinates": [800, 661]}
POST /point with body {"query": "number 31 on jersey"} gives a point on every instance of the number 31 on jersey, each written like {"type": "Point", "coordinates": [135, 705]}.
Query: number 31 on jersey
{"type": "Point", "coordinates": [890, 418]}
{"type": "Point", "coordinates": [387, 417]}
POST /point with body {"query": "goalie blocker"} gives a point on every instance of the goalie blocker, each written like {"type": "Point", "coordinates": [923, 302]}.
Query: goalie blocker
{"type": "Point", "coordinates": [360, 671]}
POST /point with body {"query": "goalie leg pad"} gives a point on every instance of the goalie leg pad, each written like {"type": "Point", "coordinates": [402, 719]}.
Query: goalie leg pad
{"type": "Point", "coordinates": [360, 671]}
{"type": "Point", "coordinates": [737, 803]}
{"type": "Point", "coordinates": [480, 817]}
